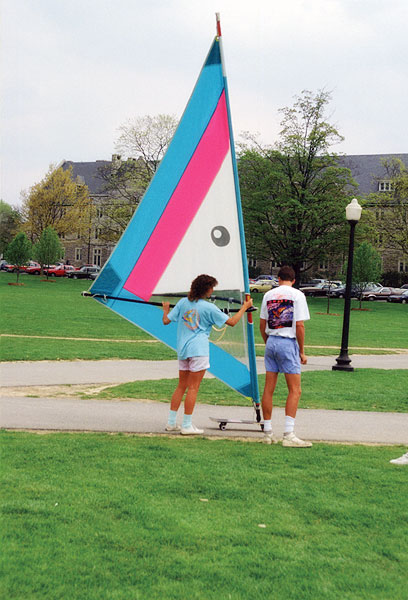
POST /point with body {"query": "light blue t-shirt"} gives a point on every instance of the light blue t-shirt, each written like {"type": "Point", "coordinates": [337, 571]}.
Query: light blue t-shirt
{"type": "Point", "coordinates": [194, 322]}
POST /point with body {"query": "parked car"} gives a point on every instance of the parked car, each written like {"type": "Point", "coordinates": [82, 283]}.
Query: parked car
{"type": "Point", "coordinates": [321, 289]}
{"type": "Point", "coordinates": [262, 285]}
{"type": "Point", "coordinates": [59, 271]}
{"type": "Point", "coordinates": [403, 298]}
{"type": "Point", "coordinates": [3, 265]}
{"type": "Point", "coordinates": [340, 292]}
{"type": "Point", "coordinates": [381, 293]}
{"type": "Point", "coordinates": [404, 287]}
{"type": "Point", "coordinates": [83, 272]}
{"type": "Point", "coordinates": [311, 283]}
{"type": "Point", "coordinates": [32, 267]}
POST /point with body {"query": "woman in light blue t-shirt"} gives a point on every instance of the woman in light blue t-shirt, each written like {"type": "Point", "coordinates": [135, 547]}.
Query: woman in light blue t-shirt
{"type": "Point", "coordinates": [194, 317]}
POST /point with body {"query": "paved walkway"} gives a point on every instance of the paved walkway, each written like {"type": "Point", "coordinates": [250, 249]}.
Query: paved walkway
{"type": "Point", "coordinates": [46, 372]}
{"type": "Point", "coordinates": [73, 414]}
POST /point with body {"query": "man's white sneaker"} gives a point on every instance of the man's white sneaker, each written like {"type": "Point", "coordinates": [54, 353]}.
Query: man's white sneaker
{"type": "Point", "coordinates": [192, 430]}
{"type": "Point", "coordinates": [291, 441]}
{"type": "Point", "coordinates": [402, 460]}
{"type": "Point", "coordinates": [172, 427]}
{"type": "Point", "coordinates": [269, 438]}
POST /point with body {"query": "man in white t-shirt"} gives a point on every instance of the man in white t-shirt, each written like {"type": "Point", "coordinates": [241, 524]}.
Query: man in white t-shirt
{"type": "Point", "coordinates": [283, 312]}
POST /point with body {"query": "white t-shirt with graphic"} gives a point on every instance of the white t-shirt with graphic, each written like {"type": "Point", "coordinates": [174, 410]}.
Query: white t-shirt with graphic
{"type": "Point", "coordinates": [281, 308]}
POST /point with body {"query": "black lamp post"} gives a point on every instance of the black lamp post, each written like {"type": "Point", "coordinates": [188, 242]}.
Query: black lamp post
{"type": "Point", "coordinates": [353, 214]}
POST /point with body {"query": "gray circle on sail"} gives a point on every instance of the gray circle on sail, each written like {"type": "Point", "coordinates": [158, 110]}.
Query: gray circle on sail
{"type": "Point", "coordinates": [220, 236]}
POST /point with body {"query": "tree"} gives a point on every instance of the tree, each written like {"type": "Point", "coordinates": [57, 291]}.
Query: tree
{"type": "Point", "coordinates": [147, 138]}
{"type": "Point", "coordinates": [125, 184]}
{"type": "Point", "coordinates": [58, 202]}
{"type": "Point", "coordinates": [9, 222]}
{"type": "Point", "coordinates": [294, 195]}
{"type": "Point", "coordinates": [366, 268]}
{"type": "Point", "coordinates": [391, 207]}
{"type": "Point", "coordinates": [19, 251]}
{"type": "Point", "coordinates": [48, 249]}
{"type": "Point", "coordinates": [143, 140]}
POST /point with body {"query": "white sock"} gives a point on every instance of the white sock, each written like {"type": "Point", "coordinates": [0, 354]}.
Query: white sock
{"type": "Point", "coordinates": [267, 426]}
{"type": "Point", "coordinates": [172, 417]}
{"type": "Point", "coordinates": [289, 424]}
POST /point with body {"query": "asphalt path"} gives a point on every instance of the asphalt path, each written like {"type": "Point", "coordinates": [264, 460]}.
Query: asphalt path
{"type": "Point", "coordinates": [148, 417]}
{"type": "Point", "coordinates": [44, 372]}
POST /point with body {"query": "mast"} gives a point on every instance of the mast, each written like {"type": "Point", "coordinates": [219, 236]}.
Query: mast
{"type": "Point", "coordinates": [250, 324]}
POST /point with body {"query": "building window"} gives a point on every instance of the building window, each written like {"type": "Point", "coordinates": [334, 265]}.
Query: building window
{"type": "Point", "coordinates": [78, 253]}
{"type": "Point", "coordinates": [97, 232]}
{"type": "Point", "coordinates": [324, 265]}
{"type": "Point", "coordinates": [252, 262]}
{"type": "Point", "coordinates": [274, 264]}
{"type": "Point", "coordinates": [403, 266]}
{"type": "Point", "coordinates": [99, 212]}
{"type": "Point", "coordinates": [97, 256]}
{"type": "Point", "coordinates": [385, 186]}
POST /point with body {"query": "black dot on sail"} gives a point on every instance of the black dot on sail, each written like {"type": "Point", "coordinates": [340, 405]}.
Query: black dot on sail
{"type": "Point", "coordinates": [220, 236]}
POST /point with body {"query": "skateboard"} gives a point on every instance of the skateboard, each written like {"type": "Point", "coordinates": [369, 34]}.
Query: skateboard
{"type": "Point", "coordinates": [222, 423]}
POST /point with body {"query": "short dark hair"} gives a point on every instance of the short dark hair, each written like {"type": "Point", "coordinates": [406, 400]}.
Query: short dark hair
{"type": "Point", "coordinates": [286, 273]}
{"type": "Point", "coordinates": [200, 286]}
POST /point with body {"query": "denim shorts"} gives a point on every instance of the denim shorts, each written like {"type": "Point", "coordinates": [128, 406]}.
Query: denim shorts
{"type": "Point", "coordinates": [282, 355]}
{"type": "Point", "coordinates": [195, 363]}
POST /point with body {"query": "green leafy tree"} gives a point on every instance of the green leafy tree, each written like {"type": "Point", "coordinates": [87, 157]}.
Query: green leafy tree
{"type": "Point", "coordinates": [294, 194]}
{"type": "Point", "coordinates": [19, 251]}
{"type": "Point", "coordinates": [10, 220]}
{"type": "Point", "coordinates": [48, 249]}
{"type": "Point", "coordinates": [366, 267]}
{"type": "Point", "coordinates": [58, 202]}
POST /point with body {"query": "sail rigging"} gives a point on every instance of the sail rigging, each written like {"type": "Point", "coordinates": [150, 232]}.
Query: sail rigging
{"type": "Point", "coordinates": [190, 222]}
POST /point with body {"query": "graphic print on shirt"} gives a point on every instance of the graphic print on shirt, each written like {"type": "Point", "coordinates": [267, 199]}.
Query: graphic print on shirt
{"type": "Point", "coordinates": [280, 313]}
{"type": "Point", "coordinates": [191, 319]}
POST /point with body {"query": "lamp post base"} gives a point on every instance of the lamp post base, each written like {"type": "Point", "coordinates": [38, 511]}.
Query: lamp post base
{"type": "Point", "coordinates": [343, 362]}
{"type": "Point", "coordinates": [342, 368]}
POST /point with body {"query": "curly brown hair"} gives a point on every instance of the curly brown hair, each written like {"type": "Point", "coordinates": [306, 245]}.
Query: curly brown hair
{"type": "Point", "coordinates": [200, 287]}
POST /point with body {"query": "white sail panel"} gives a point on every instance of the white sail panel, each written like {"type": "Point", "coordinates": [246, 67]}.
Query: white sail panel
{"type": "Point", "coordinates": [212, 243]}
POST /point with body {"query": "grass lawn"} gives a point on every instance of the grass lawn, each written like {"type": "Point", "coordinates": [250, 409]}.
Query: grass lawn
{"type": "Point", "coordinates": [365, 389]}
{"type": "Point", "coordinates": [102, 517]}
{"type": "Point", "coordinates": [56, 308]}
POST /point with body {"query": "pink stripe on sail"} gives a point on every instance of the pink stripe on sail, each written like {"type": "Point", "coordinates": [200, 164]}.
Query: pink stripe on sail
{"type": "Point", "coordinates": [182, 206]}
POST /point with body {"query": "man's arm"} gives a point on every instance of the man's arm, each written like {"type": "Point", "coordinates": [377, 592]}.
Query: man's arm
{"type": "Point", "coordinates": [262, 328]}
{"type": "Point", "coordinates": [300, 336]}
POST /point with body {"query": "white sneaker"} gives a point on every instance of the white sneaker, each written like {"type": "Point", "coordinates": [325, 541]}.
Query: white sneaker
{"type": "Point", "coordinates": [172, 427]}
{"type": "Point", "coordinates": [269, 438]}
{"type": "Point", "coordinates": [291, 441]}
{"type": "Point", "coordinates": [402, 460]}
{"type": "Point", "coordinates": [192, 430]}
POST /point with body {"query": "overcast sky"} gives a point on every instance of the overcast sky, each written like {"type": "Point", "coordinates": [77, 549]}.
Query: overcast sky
{"type": "Point", "coordinates": [74, 71]}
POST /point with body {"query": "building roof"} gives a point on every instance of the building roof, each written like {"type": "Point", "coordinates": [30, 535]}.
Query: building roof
{"type": "Point", "coordinates": [367, 169]}
{"type": "Point", "coordinates": [88, 174]}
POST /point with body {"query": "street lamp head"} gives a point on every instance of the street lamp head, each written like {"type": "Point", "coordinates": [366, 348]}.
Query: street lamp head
{"type": "Point", "coordinates": [353, 211]}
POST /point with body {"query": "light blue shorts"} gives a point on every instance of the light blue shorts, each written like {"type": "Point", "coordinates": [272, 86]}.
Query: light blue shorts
{"type": "Point", "coordinates": [282, 355]}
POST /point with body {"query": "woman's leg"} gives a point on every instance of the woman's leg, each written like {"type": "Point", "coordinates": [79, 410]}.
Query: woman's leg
{"type": "Point", "coordinates": [193, 385]}
{"type": "Point", "coordinates": [179, 391]}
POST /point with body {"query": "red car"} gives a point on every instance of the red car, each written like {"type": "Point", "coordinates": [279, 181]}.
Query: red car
{"type": "Point", "coordinates": [33, 268]}
{"type": "Point", "coordinates": [59, 271]}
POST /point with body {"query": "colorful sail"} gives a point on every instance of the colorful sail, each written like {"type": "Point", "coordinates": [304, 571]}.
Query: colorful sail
{"type": "Point", "coordinates": [189, 222]}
